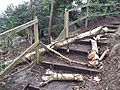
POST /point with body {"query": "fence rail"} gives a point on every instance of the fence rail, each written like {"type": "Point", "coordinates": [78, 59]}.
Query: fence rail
{"type": "Point", "coordinates": [93, 4]}
{"type": "Point", "coordinates": [86, 17]}
{"type": "Point", "coordinates": [34, 46]}
{"type": "Point", "coordinates": [64, 33]}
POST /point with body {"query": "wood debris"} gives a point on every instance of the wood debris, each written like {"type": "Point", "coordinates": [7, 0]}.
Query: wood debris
{"type": "Point", "coordinates": [52, 76]}
{"type": "Point", "coordinates": [59, 44]}
{"type": "Point", "coordinates": [97, 79]}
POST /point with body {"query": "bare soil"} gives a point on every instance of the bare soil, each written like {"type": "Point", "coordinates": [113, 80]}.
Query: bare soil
{"type": "Point", "coordinates": [110, 73]}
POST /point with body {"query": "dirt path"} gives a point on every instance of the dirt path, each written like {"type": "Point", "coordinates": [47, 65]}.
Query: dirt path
{"type": "Point", "coordinates": [110, 76]}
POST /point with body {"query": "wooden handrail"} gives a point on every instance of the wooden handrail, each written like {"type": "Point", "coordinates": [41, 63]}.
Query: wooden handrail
{"type": "Point", "coordinates": [77, 20]}
{"type": "Point", "coordinates": [85, 17]}
{"type": "Point", "coordinates": [103, 14]}
{"type": "Point", "coordinates": [89, 17]}
{"type": "Point", "coordinates": [89, 5]}
{"type": "Point", "coordinates": [31, 48]}
{"type": "Point", "coordinates": [18, 29]}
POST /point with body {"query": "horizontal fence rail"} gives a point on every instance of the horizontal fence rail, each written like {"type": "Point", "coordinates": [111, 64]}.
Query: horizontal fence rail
{"type": "Point", "coordinates": [93, 4]}
{"type": "Point", "coordinates": [86, 17]}
{"type": "Point", "coordinates": [34, 46]}
{"type": "Point", "coordinates": [18, 29]}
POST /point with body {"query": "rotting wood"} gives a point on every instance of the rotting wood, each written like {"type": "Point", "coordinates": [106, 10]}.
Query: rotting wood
{"type": "Point", "coordinates": [94, 32]}
{"type": "Point", "coordinates": [52, 76]}
{"type": "Point", "coordinates": [62, 56]}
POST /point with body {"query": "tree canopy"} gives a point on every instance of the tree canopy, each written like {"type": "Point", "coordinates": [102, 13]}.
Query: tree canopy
{"type": "Point", "coordinates": [17, 15]}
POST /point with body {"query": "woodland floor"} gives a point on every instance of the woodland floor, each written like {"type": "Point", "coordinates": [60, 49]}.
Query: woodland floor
{"type": "Point", "coordinates": [110, 75]}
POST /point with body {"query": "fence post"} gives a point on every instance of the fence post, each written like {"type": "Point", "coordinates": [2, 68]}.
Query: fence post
{"type": "Point", "coordinates": [86, 21]}
{"type": "Point", "coordinates": [66, 22]}
{"type": "Point", "coordinates": [36, 40]}
{"type": "Point", "coordinates": [106, 9]}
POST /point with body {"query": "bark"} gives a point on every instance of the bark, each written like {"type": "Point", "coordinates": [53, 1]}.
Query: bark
{"type": "Point", "coordinates": [94, 45]}
{"type": "Point", "coordinates": [56, 44]}
{"type": "Point", "coordinates": [51, 76]}
{"type": "Point", "coordinates": [93, 55]}
{"type": "Point", "coordinates": [50, 21]}
{"type": "Point", "coordinates": [31, 31]}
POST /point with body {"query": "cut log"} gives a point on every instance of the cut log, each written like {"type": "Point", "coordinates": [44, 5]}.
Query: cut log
{"type": "Point", "coordinates": [52, 76]}
{"type": "Point", "coordinates": [94, 45]}
{"type": "Point", "coordinates": [93, 55]}
{"type": "Point", "coordinates": [93, 32]}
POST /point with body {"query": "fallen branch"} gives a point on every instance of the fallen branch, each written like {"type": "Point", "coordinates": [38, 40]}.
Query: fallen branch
{"type": "Point", "coordinates": [94, 32]}
{"type": "Point", "coordinates": [103, 55]}
{"type": "Point", "coordinates": [52, 76]}
{"type": "Point", "coordinates": [62, 56]}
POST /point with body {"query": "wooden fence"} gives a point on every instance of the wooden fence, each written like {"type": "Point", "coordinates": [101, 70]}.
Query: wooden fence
{"type": "Point", "coordinates": [65, 33]}
{"type": "Point", "coordinates": [34, 46]}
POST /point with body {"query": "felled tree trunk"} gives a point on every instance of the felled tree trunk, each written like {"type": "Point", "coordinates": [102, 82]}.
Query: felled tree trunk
{"type": "Point", "coordinates": [56, 44]}
{"type": "Point", "coordinates": [93, 54]}
{"type": "Point", "coordinates": [52, 76]}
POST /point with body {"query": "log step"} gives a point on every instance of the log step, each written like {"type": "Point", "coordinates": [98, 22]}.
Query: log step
{"type": "Point", "coordinates": [70, 68]}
